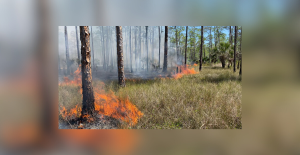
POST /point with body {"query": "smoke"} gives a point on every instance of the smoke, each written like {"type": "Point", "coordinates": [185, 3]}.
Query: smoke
{"type": "Point", "coordinates": [103, 46]}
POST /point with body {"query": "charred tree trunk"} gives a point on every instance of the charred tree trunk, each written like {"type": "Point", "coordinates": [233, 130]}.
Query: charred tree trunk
{"type": "Point", "coordinates": [165, 67]}
{"type": "Point", "coordinates": [159, 46]}
{"type": "Point", "coordinates": [186, 36]}
{"type": "Point", "coordinates": [87, 88]}
{"type": "Point", "coordinates": [201, 47]}
{"type": "Point", "coordinates": [67, 50]}
{"type": "Point", "coordinates": [241, 54]}
{"type": "Point", "coordinates": [130, 51]}
{"type": "Point", "coordinates": [77, 43]}
{"type": "Point", "coordinates": [121, 75]}
{"type": "Point", "coordinates": [234, 53]}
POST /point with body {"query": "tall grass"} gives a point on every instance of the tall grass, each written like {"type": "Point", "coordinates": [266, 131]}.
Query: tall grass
{"type": "Point", "coordinates": [210, 99]}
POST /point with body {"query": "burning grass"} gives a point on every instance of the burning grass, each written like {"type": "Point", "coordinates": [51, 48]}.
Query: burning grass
{"type": "Point", "coordinates": [210, 99]}
{"type": "Point", "coordinates": [106, 104]}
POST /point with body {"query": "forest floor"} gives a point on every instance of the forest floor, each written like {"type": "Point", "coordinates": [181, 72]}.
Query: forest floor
{"type": "Point", "coordinates": [210, 99]}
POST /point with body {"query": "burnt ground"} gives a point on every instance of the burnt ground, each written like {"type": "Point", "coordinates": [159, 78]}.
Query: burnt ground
{"type": "Point", "coordinates": [97, 122]}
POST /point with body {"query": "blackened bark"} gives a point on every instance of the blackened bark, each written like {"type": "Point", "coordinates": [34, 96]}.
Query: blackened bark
{"type": "Point", "coordinates": [121, 75]}
{"type": "Point", "coordinates": [234, 53]}
{"type": "Point", "coordinates": [201, 47]}
{"type": "Point", "coordinates": [87, 88]}
{"type": "Point", "coordinates": [67, 50]}
{"type": "Point", "coordinates": [186, 36]}
{"type": "Point", "coordinates": [165, 67]}
{"type": "Point", "coordinates": [77, 40]}
{"type": "Point", "coordinates": [159, 46]}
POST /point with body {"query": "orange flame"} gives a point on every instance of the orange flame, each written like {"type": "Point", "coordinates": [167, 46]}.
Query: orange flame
{"type": "Point", "coordinates": [184, 71]}
{"type": "Point", "coordinates": [105, 103]}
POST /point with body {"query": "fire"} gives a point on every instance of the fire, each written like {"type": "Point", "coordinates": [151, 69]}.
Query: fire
{"type": "Point", "coordinates": [184, 71]}
{"type": "Point", "coordinates": [195, 65]}
{"type": "Point", "coordinates": [105, 104]}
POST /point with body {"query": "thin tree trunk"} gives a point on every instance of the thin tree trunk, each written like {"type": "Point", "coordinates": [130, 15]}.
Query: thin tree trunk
{"type": "Point", "coordinates": [201, 47]}
{"type": "Point", "coordinates": [140, 47]}
{"type": "Point", "coordinates": [241, 54]}
{"type": "Point", "coordinates": [194, 42]}
{"type": "Point", "coordinates": [230, 36]}
{"type": "Point", "coordinates": [176, 40]}
{"type": "Point", "coordinates": [92, 46]}
{"type": "Point", "coordinates": [77, 40]}
{"type": "Point", "coordinates": [111, 49]}
{"type": "Point", "coordinates": [234, 53]}
{"type": "Point", "coordinates": [103, 49]}
{"type": "Point", "coordinates": [67, 50]}
{"type": "Point", "coordinates": [210, 45]}
{"type": "Point", "coordinates": [107, 48]}
{"type": "Point", "coordinates": [135, 42]}
{"type": "Point", "coordinates": [147, 45]}
{"type": "Point", "coordinates": [153, 44]}
{"type": "Point", "coordinates": [130, 51]}
{"type": "Point", "coordinates": [165, 67]}
{"type": "Point", "coordinates": [186, 36]}
{"type": "Point", "coordinates": [121, 75]}
{"type": "Point", "coordinates": [159, 46]}
{"type": "Point", "coordinates": [87, 87]}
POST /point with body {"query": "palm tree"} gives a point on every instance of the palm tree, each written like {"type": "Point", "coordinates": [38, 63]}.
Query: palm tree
{"type": "Point", "coordinates": [87, 87]}
{"type": "Point", "coordinates": [166, 50]}
{"type": "Point", "coordinates": [121, 75]}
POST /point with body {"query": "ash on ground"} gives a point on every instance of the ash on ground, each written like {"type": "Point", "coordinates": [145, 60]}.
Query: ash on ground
{"type": "Point", "coordinates": [96, 122]}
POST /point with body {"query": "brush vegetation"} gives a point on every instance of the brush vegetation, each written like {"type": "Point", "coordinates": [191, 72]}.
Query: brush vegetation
{"type": "Point", "coordinates": [210, 99]}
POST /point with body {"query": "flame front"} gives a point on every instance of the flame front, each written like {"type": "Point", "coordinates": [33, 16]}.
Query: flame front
{"type": "Point", "coordinates": [105, 104]}
{"type": "Point", "coordinates": [184, 71]}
